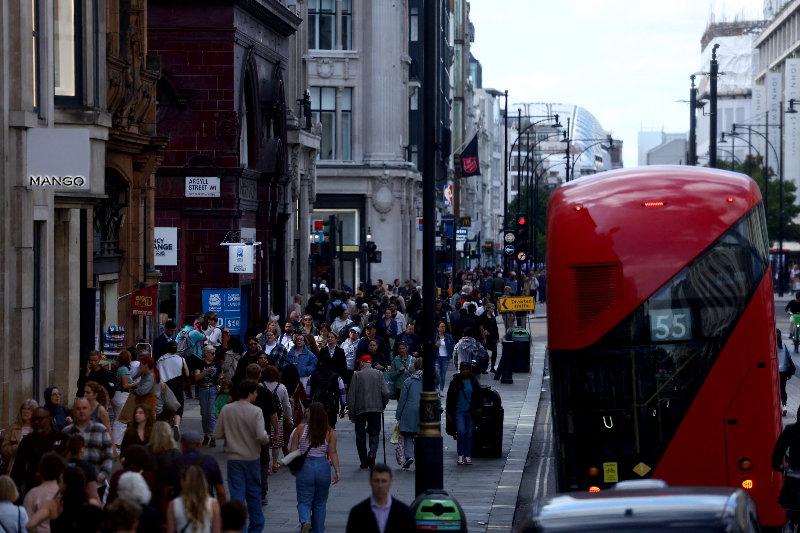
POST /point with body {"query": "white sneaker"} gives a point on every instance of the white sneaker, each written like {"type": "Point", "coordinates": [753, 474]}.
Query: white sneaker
{"type": "Point", "coordinates": [784, 411]}
{"type": "Point", "coordinates": [460, 459]}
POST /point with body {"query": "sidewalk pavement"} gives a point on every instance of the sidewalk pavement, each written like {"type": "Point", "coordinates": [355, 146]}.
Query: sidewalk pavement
{"type": "Point", "coordinates": [487, 490]}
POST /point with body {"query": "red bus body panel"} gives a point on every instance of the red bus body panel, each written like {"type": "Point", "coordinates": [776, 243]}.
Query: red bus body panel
{"type": "Point", "coordinates": [736, 413]}
{"type": "Point", "coordinates": [651, 243]}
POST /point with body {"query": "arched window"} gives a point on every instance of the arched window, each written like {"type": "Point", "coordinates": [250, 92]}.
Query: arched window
{"type": "Point", "coordinates": [249, 136]}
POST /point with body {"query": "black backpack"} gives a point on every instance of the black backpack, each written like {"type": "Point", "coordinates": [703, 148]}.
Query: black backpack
{"type": "Point", "coordinates": [326, 392]}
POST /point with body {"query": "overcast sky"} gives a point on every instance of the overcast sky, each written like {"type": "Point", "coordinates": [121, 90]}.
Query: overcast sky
{"type": "Point", "coordinates": [626, 61]}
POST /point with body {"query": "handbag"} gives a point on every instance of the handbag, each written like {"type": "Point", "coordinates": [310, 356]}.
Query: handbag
{"type": "Point", "coordinates": [399, 454]}
{"type": "Point", "coordinates": [126, 414]}
{"type": "Point", "coordinates": [295, 460]}
{"type": "Point", "coordinates": [171, 403]}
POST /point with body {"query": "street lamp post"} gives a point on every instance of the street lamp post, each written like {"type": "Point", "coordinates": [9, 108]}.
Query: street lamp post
{"type": "Point", "coordinates": [428, 444]}
{"type": "Point", "coordinates": [712, 145]}
{"type": "Point", "coordinates": [693, 123]}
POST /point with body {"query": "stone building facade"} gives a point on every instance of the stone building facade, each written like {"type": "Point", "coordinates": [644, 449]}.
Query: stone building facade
{"type": "Point", "coordinates": [76, 101]}
{"type": "Point", "coordinates": [358, 69]}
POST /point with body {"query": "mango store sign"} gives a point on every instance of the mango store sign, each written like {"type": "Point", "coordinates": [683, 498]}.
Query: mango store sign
{"type": "Point", "coordinates": [166, 246]}
{"type": "Point", "coordinates": [58, 159]}
{"type": "Point", "coordinates": [202, 187]}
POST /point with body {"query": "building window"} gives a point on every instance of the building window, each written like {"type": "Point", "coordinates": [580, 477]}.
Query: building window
{"type": "Point", "coordinates": [415, 155]}
{"type": "Point", "coordinates": [413, 26]}
{"type": "Point", "coordinates": [414, 101]}
{"type": "Point", "coordinates": [67, 32]}
{"type": "Point", "coordinates": [323, 111]}
{"type": "Point", "coordinates": [347, 24]}
{"type": "Point", "coordinates": [458, 69]}
{"type": "Point", "coordinates": [347, 123]}
{"type": "Point", "coordinates": [322, 24]}
{"type": "Point", "coordinates": [36, 61]}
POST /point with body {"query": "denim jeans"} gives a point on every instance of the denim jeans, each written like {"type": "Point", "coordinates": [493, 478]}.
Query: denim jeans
{"type": "Point", "coordinates": [368, 423]}
{"type": "Point", "coordinates": [208, 395]}
{"type": "Point", "coordinates": [408, 444]}
{"type": "Point", "coordinates": [244, 483]}
{"type": "Point", "coordinates": [464, 427]}
{"type": "Point", "coordinates": [313, 485]}
{"type": "Point", "coordinates": [442, 363]}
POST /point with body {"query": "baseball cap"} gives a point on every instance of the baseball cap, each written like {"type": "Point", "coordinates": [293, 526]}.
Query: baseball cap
{"type": "Point", "coordinates": [365, 359]}
{"type": "Point", "coordinates": [370, 325]}
{"type": "Point", "coordinates": [356, 329]}
{"type": "Point", "coordinates": [191, 437]}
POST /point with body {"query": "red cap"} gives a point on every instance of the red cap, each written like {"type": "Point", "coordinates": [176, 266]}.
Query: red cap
{"type": "Point", "coordinates": [365, 359]}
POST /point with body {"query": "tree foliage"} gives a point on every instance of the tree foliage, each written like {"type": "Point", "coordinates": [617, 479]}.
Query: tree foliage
{"type": "Point", "coordinates": [753, 166]}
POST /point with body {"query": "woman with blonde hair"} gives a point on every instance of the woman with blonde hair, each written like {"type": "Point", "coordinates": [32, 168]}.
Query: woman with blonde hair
{"type": "Point", "coordinates": [163, 451]}
{"type": "Point", "coordinates": [194, 511]}
{"type": "Point", "coordinates": [17, 431]}
{"type": "Point", "coordinates": [13, 517]}
{"type": "Point", "coordinates": [97, 395]}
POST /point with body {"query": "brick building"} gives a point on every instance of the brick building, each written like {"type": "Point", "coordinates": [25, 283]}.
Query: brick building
{"type": "Point", "coordinates": [222, 100]}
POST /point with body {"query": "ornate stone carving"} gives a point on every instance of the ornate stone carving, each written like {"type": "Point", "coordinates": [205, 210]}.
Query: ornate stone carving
{"type": "Point", "coordinates": [312, 175]}
{"type": "Point", "coordinates": [229, 133]}
{"type": "Point", "coordinates": [325, 68]}
{"type": "Point", "coordinates": [294, 171]}
{"type": "Point", "coordinates": [382, 195]}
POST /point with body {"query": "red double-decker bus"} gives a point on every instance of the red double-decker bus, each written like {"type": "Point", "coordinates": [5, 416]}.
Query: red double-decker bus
{"type": "Point", "coordinates": [661, 332]}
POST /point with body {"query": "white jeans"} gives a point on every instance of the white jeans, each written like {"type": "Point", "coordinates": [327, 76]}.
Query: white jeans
{"type": "Point", "coordinates": [118, 401]}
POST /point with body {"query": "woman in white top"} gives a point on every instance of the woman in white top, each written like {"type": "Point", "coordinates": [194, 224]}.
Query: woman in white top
{"type": "Point", "coordinates": [13, 518]}
{"type": "Point", "coordinates": [271, 380]}
{"type": "Point", "coordinates": [316, 439]}
{"type": "Point", "coordinates": [194, 511]}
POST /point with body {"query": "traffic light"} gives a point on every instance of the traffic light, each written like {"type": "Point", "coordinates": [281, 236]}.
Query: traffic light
{"type": "Point", "coordinates": [373, 255]}
{"type": "Point", "coordinates": [521, 236]}
{"type": "Point", "coordinates": [448, 249]}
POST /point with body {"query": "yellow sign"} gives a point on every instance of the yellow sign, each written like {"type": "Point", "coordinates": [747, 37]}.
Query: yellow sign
{"type": "Point", "coordinates": [641, 469]}
{"type": "Point", "coordinates": [517, 303]}
{"type": "Point", "coordinates": [610, 474]}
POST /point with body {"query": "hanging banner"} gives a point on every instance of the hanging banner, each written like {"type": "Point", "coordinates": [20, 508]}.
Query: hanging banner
{"type": "Point", "coordinates": [758, 106]}
{"type": "Point", "coordinates": [774, 97]}
{"type": "Point", "coordinates": [227, 303]}
{"type": "Point", "coordinates": [143, 301]}
{"type": "Point", "coordinates": [791, 137]}
{"type": "Point", "coordinates": [470, 160]}
{"type": "Point", "coordinates": [240, 259]}
{"type": "Point", "coordinates": [448, 195]}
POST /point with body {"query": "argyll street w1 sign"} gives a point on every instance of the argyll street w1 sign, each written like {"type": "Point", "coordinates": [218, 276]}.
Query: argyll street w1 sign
{"type": "Point", "coordinates": [202, 187]}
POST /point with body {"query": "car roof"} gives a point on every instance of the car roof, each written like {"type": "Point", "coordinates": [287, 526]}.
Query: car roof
{"type": "Point", "coordinates": [670, 507]}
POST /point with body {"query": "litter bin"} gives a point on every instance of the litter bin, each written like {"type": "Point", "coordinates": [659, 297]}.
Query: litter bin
{"type": "Point", "coordinates": [487, 436]}
{"type": "Point", "coordinates": [436, 510]}
{"type": "Point", "coordinates": [521, 352]}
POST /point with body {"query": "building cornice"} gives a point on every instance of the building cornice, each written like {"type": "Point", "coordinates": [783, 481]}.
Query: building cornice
{"type": "Point", "coordinates": [775, 24]}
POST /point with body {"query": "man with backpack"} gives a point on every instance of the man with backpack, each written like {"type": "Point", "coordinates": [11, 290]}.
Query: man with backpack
{"type": "Point", "coordinates": [327, 388]}
{"type": "Point", "coordinates": [190, 347]}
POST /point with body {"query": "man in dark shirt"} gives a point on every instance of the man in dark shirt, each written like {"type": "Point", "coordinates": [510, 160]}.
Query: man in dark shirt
{"type": "Point", "coordinates": [461, 323]}
{"type": "Point", "coordinates": [479, 332]}
{"type": "Point", "coordinates": [411, 339]}
{"type": "Point", "coordinates": [160, 345]}
{"type": "Point", "coordinates": [793, 306]}
{"type": "Point", "coordinates": [41, 440]}
{"type": "Point", "coordinates": [248, 358]}
{"type": "Point", "coordinates": [191, 442]}
{"type": "Point", "coordinates": [95, 372]}
{"type": "Point", "coordinates": [363, 344]}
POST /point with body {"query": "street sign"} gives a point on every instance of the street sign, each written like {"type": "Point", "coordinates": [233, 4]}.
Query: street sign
{"type": "Point", "coordinates": [448, 195]}
{"type": "Point", "coordinates": [517, 303]}
{"type": "Point", "coordinates": [509, 236]}
{"type": "Point", "coordinates": [461, 235]}
{"type": "Point", "coordinates": [448, 219]}
{"type": "Point", "coordinates": [521, 256]}
{"type": "Point", "coordinates": [509, 250]}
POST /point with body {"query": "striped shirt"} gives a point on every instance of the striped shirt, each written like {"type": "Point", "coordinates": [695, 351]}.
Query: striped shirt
{"type": "Point", "coordinates": [318, 451]}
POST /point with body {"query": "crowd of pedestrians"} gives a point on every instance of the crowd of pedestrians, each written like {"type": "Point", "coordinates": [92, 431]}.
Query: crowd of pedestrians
{"type": "Point", "coordinates": [117, 460]}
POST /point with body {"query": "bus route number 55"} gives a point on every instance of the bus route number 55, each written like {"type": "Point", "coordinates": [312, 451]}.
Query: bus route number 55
{"type": "Point", "coordinates": [670, 325]}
